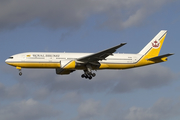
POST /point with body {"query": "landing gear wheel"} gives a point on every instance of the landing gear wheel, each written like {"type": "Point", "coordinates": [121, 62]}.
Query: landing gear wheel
{"type": "Point", "coordinates": [93, 74]}
{"type": "Point", "coordinates": [82, 76]}
{"type": "Point", "coordinates": [86, 76]}
{"type": "Point", "coordinates": [90, 77]}
{"type": "Point", "coordinates": [20, 73]}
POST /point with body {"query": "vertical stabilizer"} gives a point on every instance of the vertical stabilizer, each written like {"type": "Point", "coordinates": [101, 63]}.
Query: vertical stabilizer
{"type": "Point", "coordinates": [153, 48]}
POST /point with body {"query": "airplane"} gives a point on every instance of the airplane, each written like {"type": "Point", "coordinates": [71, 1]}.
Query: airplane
{"type": "Point", "coordinates": [65, 63]}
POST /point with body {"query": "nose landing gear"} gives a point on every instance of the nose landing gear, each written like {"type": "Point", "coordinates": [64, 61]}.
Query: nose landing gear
{"type": "Point", "coordinates": [19, 68]}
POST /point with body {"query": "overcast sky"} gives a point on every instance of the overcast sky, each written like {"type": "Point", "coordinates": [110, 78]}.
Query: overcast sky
{"type": "Point", "coordinates": [145, 93]}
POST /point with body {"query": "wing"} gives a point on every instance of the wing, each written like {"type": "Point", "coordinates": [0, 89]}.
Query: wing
{"type": "Point", "coordinates": [100, 55]}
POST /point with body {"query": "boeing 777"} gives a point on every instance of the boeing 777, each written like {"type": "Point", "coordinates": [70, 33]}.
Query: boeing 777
{"type": "Point", "coordinates": [65, 63]}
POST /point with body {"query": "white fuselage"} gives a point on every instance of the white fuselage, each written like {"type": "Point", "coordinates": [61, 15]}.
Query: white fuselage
{"type": "Point", "coordinates": [52, 60]}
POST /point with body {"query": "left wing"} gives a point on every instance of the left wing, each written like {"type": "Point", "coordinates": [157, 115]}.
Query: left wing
{"type": "Point", "coordinates": [100, 55]}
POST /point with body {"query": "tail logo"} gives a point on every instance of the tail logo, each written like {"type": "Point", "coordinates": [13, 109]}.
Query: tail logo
{"type": "Point", "coordinates": [156, 44]}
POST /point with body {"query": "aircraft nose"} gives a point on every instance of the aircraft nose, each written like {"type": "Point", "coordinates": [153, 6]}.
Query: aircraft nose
{"type": "Point", "coordinates": [6, 61]}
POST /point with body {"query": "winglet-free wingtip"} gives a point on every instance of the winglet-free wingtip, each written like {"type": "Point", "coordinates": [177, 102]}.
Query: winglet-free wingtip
{"type": "Point", "coordinates": [171, 53]}
{"type": "Point", "coordinates": [123, 43]}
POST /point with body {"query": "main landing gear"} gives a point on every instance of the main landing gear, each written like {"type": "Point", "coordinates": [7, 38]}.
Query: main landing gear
{"type": "Point", "coordinates": [88, 73]}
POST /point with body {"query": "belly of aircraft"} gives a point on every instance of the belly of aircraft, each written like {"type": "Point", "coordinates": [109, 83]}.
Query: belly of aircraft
{"type": "Point", "coordinates": [57, 65]}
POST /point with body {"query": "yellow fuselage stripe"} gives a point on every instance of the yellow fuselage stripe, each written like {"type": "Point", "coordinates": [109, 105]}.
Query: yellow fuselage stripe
{"type": "Point", "coordinates": [36, 65]}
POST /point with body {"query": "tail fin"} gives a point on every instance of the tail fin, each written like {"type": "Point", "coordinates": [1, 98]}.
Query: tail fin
{"type": "Point", "coordinates": [153, 48]}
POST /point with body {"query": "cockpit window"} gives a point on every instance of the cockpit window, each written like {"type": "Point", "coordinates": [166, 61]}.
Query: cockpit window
{"type": "Point", "coordinates": [10, 57]}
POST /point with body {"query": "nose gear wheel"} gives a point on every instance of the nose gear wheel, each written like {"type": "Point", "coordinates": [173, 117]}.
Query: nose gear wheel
{"type": "Point", "coordinates": [20, 73]}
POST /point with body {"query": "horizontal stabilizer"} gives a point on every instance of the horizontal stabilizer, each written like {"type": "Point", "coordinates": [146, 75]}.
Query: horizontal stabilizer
{"type": "Point", "coordinates": [161, 56]}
